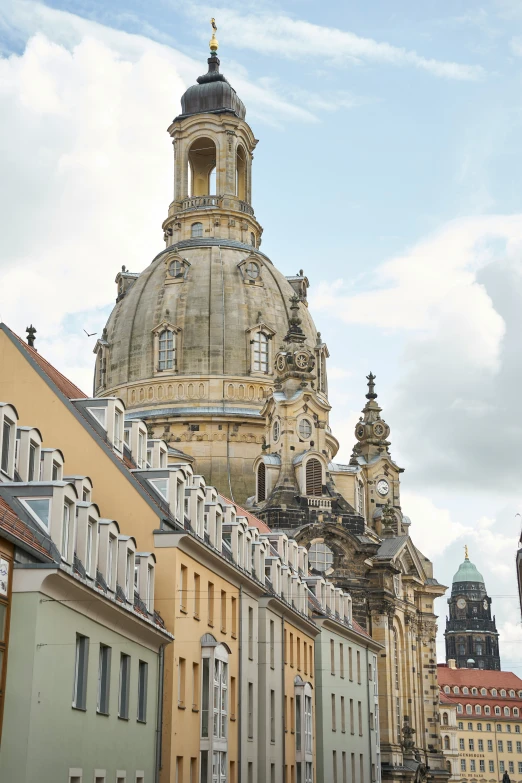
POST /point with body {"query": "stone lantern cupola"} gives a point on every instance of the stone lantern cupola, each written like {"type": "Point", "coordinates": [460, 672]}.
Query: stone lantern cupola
{"type": "Point", "coordinates": [371, 431]}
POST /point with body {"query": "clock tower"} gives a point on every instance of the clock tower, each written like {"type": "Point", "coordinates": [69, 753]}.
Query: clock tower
{"type": "Point", "coordinates": [471, 631]}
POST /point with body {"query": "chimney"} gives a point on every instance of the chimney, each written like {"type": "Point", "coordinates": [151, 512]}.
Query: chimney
{"type": "Point", "coordinates": [452, 663]}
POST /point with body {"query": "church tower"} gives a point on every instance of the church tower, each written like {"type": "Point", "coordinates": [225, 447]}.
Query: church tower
{"type": "Point", "coordinates": [190, 344]}
{"type": "Point", "coordinates": [471, 632]}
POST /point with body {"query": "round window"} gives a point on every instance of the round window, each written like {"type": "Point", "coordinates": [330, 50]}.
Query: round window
{"type": "Point", "coordinates": [252, 270]}
{"type": "Point", "coordinates": [175, 268]}
{"type": "Point", "coordinates": [276, 430]}
{"type": "Point", "coordinates": [320, 557]}
{"type": "Point", "coordinates": [305, 429]}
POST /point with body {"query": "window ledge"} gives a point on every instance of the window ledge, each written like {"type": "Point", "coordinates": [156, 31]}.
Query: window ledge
{"type": "Point", "coordinates": [80, 709]}
{"type": "Point", "coordinates": [210, 623]}
{"type": "Point", "coordinates": [197, 617]}
{"type": "Point", "coordinates": [181, 707]}
{"type": "Point", "coordinates": [195, 709]}
{"type": "Point", "coordinates": [122, 717]}
{"type": "Point", "coordinates": [182, 609]}
{"type": "Point", "coordinates": [233, 635]}
{"type": "Point", "coordinates": [223, 630]}
{"type": "Point", "coordinates": [140, 720]}
{"type": "Point", "coordinates": [103, 714]}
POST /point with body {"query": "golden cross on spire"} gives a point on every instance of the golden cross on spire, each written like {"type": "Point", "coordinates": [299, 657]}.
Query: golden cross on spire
{"type": "Point", "coordinates": [466, 556]}
{"type": "Point", "coordinates": [213, 43]}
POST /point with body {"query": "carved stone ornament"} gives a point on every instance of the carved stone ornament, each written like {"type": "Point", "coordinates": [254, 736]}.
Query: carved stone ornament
{"type": "Point", "coordinates": [408, 733]}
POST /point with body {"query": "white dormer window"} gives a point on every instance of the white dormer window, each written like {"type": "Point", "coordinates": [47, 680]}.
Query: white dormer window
{"type": "Point", "coordinates": [8, 429]}
{"type": "Point", "coordinates": [118, 430]}
{"type": "Point", "coordinates": [161, 486]}
{"type": "Point", "coordinates": [111, 561]}
{"type": "Point", "coordinates": [166, 350]}
{"type": "Point", "coordinates": [128, 576]}
{"type": "Point", "coordinates": [66, 530]}
{"type": "Point", "coordinates": [89, 548]}
{"type": "Point", "coordinates": [100, 414]}
{"type": "Point", "coordinates": [40, 510]}
{"type": "Point", "coordinates": [141, 449]}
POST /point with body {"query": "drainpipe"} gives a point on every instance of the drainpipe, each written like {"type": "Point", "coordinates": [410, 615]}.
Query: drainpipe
{"type": "Point", "coordinates": [369, 712]}
{"type": "Point", "coordinates": [159, 713]}
{"type": "Point", "coordinates": [240, 687]}
{"type": "Point", "coordinates": [283, 693]}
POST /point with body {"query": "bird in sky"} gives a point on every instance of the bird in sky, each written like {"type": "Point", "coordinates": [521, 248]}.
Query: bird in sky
{"type": "Point", "coordinates": [90, 334]}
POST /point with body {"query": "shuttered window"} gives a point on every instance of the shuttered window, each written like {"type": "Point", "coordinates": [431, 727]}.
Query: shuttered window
{"type": "Point", "coordinates": [261, 482]}
{"type": "Point", "coordinates": [314, 477]}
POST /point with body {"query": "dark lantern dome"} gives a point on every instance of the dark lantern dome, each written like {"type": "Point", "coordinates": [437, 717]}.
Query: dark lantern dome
{"type": "Point", "coordinates": [212, 93]}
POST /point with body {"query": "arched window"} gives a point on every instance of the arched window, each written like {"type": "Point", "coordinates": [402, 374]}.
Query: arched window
{"type": "Point", "coordinates": [445, 721]}
{"type": "Point", "coordinates": [202, 164]}
{"type": "Point", "coordinates": [241, 173]}
{"type": "Point", "coordinates": [465, 690]}
{"type": "Point", "coordinates": [512, 694]}
{"type": "Point", "coordinates": [252, 239]}
{"type": "Point", "coordinates": [487, 710]}
{"type": "Point", "coordinates": [469, 709]}
{"type": "Point", "coordinates": [459, 708]}
{"type": "Point", "coordinates": [166, 350]}
{"type": "Point", "coordinates": [196, 230]}
{"type": "Point", "coordinates": [502, 692]}
{"type": "Point", "coordinates": [305, 429]}
{"type": "Point", "coordinates": [446, 743]}
{"type": "Point", "coordinates": [276, 429]}
{"type": "Point", "coordinates": [515, 712]}
{"type": "Point", "coordinates": [314, 477]}
{"type": "Point", "coordinates": [320, 556]}
{"type": "Point", "coordinates": [507, 711]}
{"type": "Point", "coordinates": [261, 482]}
{"type": "Point", "coordinates": [260, 352]}
{"type": "Point", "coordinates": [478, 709]}
{"type": "Point", "coordinates": [474, 692]}
{"type": "Point", "coordinates": [493, 691]}
{"type": "Point", "coordinates": [497, 711]}
{"type": "Point", "coordinates": [447, 689]}
{"type": "Point", "coordinates": [483, 692]}
{"type": "Point", "coordinates": [455, 689]}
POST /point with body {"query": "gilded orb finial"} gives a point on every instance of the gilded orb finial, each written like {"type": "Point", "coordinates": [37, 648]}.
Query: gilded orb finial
{"type": "Point", "coordinates": [466, 556]}
{"type": "Point", "coordinates": [213, 41]}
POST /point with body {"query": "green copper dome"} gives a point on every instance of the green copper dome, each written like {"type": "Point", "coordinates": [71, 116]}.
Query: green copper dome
{"type": "Point", "coordinates": [468, 573]}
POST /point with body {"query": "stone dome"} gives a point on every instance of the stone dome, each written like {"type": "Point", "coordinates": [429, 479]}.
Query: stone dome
{"type": "Point", "coordinates": [212, 93]}
{"type": "Point", "coordinates": [213, 305]}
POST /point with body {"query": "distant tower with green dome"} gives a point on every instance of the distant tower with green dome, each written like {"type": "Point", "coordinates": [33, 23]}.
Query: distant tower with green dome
{"type": "Point", "coordinates": [471, 632]}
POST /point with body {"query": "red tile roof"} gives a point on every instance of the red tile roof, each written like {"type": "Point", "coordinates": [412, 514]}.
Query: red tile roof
{"type": "Point", "coordinates": [479, 678]}
{"type": "Point", "coordinates": [67, 387]}
{"type": "Point", "coordinates": [11, 523]}
{"type": "Point", "coordinates": [252, 520]}
{"type": "Point", "coordinates": [360, 629]}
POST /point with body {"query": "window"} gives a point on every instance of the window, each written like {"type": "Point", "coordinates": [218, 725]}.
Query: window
{"type": "Point", "coordinates": [320, 557]}
{"type": "Point", "coordinates": [445, 721]}
{"type": "Point", "coordinates": [272, 717]}
{"type": "Point", "coordinates": [88, 553]}
{"type": "Point", "coordinates": [478, 709]}
{"type": "Point", "coordinates": [470, 727]}
{"type": "Point", "coordinates": [183, 588]}
{"type": "Point", "coordinates": [519, 747]}
{"type": "Point", "coordinates": [459, 708]}
{"type": "Point", "coordinates": [80, 673]}
{"type": "Point", "coordinates": [490, 746]}
{"type": "Point", "coordinates": [305, 429]}
{"type": "Point", "coordinates": [66, 523]}
{"type": "Point", "coordinates": [250, 710]}
{"type": "Point", "coordinates": [472, 766]}
{"type": "Point", "coordinates": [260, 352]}
{"type": "Point", "coordinates": [359, 715]}
{"type": "Point", "coordinates": [493, 691]}
{"type": "Point", "coordinates": [334, 721]}
{"type": "Point", "coordinates": [181, 682]}
{"type": "Point", "coordinates": [500, 746]}
{"type": "Point", "coordinates": [314, 477]}
{"type": "Point", "coordinates": [196, 230]}
{"type": "Point", "coordinates": [334, 765]}
{"type": "Point", "coordinates": [250, 633]}
{"type": "Point", "coordinates": [507, 711]}
{"type": "Point", "coordinates": [465, 690]}
{"type": "Point", "coordinates": [461, 744]}
{"type": "Point", "coordinates": [446, 743]}
{"type": "Point", "coordinates": [104, 679]}
{"type": "Point", "coordinates": [520, 767]}
{"type": "Point", "coordinates": [479, 726]}
{"type": "Point", "coordinates": [461, 726]}
{"type": "Point", "coordinates": [118, 422]}
{"type": "Point", "coordinates": [252, 270]}
{"type": "Point", "coordinates": [482, 765]}
{"type": "Point", "coordinates": [6, 444]}
{"type": "Point", "coordinates": [469, 709]}
{"type": "Point", "coordinates": [487, 710]}
{"type": "Point", "coordinates": [481, 745]}
{"type": "Point", "coordinates": [210, 603]}
{"type": "Point", "coordinates": [234, 617]}
{"type": "Point", "coordinates": [272, 644]}
{"type": "Point", "coordinates": [39, 508]}
{"type": "Point", "coordinates": [176, 268]}
{"type": "Point", "coordinates": [352, 729]}
{"type": "Point", "coordinates": [143, 670]}
{"type": "Point", "coordinates": [491, 766]}
{"type": "Point", "coordinates": [166, 350]}
{"type": "Point", "coordinates": [308, 723]}
{"type": "Point", "coordinates": [501, 766]}
{"type": "Point", "coordinates": [497, 711]}
{"type": "Point", "coordinates": [32, 460]}
{"type": "Point", "coordinates": [123, 697]}
{"type": "Point", "coordinates": [343, 716]}
{"type": "Point", "coordinates": [463, 765]}
{"type": "Point", "coordinates": [276, 430]}
{"type": "Point", "coordinates": [341, 660]}
{"type": "Point", "coordinates": [471, 744]}
{"type": "Point", "coordinates": [358, 667]}
{"type": "Point", "coordinates": [261, 482]}
{"type": "Point", "coordinates": [332, 656]}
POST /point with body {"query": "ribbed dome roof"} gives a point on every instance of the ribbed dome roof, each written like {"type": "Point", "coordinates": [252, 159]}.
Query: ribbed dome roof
{"type": "Point", "coordinates": [213, 307]}
{"type": "Point", "coordinates": [468, 573]}
{"type": "Point", "coordinates": [212, 93]}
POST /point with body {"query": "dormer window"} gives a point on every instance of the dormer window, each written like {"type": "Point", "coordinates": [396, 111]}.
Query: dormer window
{"type": "Point", "coordinates": [167, 350]}
{"type": "Point", "coordinates": [7, 436]}
{"type": "Point", "coordinates": [40, 510]}
{"type": "Point", "coordinates": [66, 530]}
{"type": "Point", "coordinates": [89, 548]}
{"type": "Point", "coordinates": [100, 414]}
{"type": "Point", "coordinates": [161, 486]}
{"type": "Point", "coordinates": [32, 461]}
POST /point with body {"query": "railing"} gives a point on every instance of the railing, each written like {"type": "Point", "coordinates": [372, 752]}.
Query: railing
{"type": "Point", "coordinates": [319, 502]}
{"type": "Point", "coordinates": [100, 581]}
{"type": "Point", "coordinates": [223, 202]}
{"type": "Point", "coordinates": [79, 567]}
{"type": "Point", "coordinates": [471, 624]}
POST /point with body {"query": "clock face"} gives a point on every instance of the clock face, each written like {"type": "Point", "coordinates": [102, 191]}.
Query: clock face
{"type": "Point", "coordinates": [301, 361]}
{"type": "Point", "coordinates": [485, 604]}
{"type": "Point", "coordinates": [383, 487]}
{"type": "Point", "coordinates": [461, 603]}
{"type": "Point", "coordinates": [378, 429]}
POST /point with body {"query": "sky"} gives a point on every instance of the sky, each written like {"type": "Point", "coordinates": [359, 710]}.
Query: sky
{"type": "Point", "coordinates": [388, 168]}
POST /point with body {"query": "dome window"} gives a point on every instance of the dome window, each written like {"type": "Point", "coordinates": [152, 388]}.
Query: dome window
{"type": "Point", "coordinates": [202, 167]}
{"type": "Point", "coordinates": [167, 341]}
{"type": "Point", "coordinates": [314, 477]}
{"type": "Point", "coordinates": [276, 429]}
{"type": "Point", "coordinates": [252, 269]}
{"type": "Point", "coordinates": [261, 482]}
{"type": "Point", "coordinates": [305, 429]}
{"type": "Point", "coordinates": [196, 230]}
{"type": "Point", "coordinates": [175, 268]}
{"type": "Point", "coordinates": [252, 239]}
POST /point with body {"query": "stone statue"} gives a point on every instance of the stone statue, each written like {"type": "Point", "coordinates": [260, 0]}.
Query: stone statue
{"type": "Point", "coordinates": [506, 778]}
{"type": "Point", "coordinates": [408, 743]}
{"type": "Point", "coordinates": [421, 775]}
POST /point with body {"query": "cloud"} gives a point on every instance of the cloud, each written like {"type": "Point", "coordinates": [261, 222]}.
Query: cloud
{"type": "Point", "coordinates": [432, 528]}
{"type": "Point", "coordinates": [453, 303]}
{"type": "Point", "coordinates": [277, 34]}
